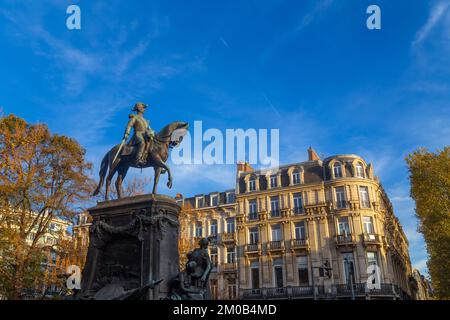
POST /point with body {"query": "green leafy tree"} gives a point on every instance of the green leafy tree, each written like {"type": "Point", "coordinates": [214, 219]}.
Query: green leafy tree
{"type": "Point", "coordinates": [430, 188]}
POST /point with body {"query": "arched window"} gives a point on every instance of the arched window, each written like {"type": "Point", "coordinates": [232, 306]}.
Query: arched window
{"type": "Point", "coordinates": [359, 170]}
{"type": "Point", "coordinates": [337, 170]}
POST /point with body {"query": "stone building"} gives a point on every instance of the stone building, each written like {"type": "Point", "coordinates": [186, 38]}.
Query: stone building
{"type": "Point", "coordinates": [315, 229]}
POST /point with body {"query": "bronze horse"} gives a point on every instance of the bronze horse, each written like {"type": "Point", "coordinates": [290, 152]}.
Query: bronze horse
{"type": "Point", "coordinates": [157, 155]}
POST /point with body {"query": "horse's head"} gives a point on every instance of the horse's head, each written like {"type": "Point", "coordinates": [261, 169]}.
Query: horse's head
{"type": "Point", "coordinates": [173, 133]}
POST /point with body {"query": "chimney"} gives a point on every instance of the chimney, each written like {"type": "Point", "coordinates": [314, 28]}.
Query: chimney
{"type": "Point", "coordinates": [312, 155]}
{"type": "Point", "coordinates": [179, 196]}
{"type": "Point", "coordinates": [244, 167]}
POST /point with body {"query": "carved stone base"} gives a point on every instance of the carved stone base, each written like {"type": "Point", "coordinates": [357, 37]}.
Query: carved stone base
{"type": "Point", "coordinates": [133, 242]}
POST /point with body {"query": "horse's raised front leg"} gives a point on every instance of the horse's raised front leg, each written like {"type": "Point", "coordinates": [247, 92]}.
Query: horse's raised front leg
{"type": "Point", "coordinates": [156, 179]}
{"type": "Point", "coordinates": [159, 163]}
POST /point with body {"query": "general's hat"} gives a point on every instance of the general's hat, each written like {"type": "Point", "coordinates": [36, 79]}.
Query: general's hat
{"type": "Point", "coordinates": [139, 104]}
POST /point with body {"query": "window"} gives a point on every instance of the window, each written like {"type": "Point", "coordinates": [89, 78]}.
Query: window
{"type": "Point", "coordinates": [340, 197]}
{"type": "Point", "coordinates": [300, 233]}
{"type": "Point", "coordinates": [349, 267]}
{"type": "Point", "coordinates": [276, 232]}
{"type": "Point", "coordinates": [232, 289]}
{"type": "Point", "coordinates": [298, 204]}
{"type": "Point", "coordinates": [252, 208]}
{"type": "Point", "coordinates": [273, 181]}
{"type": "Point", "coordinates": [368, 225]}
{"type": "Point", "coordinates": [230, 197]}
{"type": "Point", "coordinates": [252, 185]}
{"type": "Point", "coordinates": [214, 256]}
{"type": "Point", "coordinates": [344, 226]}
{"type": "Point", "coordinates": [53, 257]}
{"type": "Point", "coordinates": [200, 203]}
{"type": "Point", "coordinates": [364, 197]}
{"type": "Point", "coordinates": [302, 266]}
{"type": "Point", "coordinates": [296, 177]}
{"type": "Point", "coordinates": [214, 200]}
{"type": "Point", "coordinates": [278, 272]}
{"type": "Point", "coordinates": [254, 271]}
{"type": "Point", "coordinates": [214, 291]}
{"type": "Point", "coordinates": [253, 235]}
{"type": "Point", "coordinates": [198, 229]}
{"type": "Point", "coordinates": [337, 170]}
{"type": "Point", "coordinates": [372, 259]}
{"type": "Point", "coordinates": [359, 170]}
{"type": "Point", "coordinates": [213, 227]}
{"type": "Point", "coordinates": [230, 225]}
{"type": "Point", "coordinates": [231, 255]}
{"type": "Point", "coordinates": [275, 206]}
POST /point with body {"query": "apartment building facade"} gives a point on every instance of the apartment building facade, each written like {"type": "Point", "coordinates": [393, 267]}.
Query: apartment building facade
{"type": "Point", "coordinates": [315, 229]}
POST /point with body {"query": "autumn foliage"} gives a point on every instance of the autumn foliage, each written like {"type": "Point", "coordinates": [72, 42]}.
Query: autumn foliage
{"type": "Point", "coordinates": [42, 176]}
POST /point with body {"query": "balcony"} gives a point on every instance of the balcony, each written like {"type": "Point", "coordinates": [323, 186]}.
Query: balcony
{"type": "Point", "coordinates": [277, 293]}
{"type": "Point", "coordinates": [298, 210]}
{"type": "Point", "coordinates": [252, 294]}
{"type": "Point", "coordinates": [273, 246]}
{"type": "Point", "coordinates": [345, 240]}
{"type": "Point", "coordinates": [299, 244]}
{"type": "Point", "coordinates": [228, 237]}
{"type": "Point", "coordinates": [229, 267]}
{"type": "Point", "coordinates": [304, 292]}
{"type": "Point", "coordinates": [372, 239]}
{"type": "Point", "coordinates": [340, 291]}
{"type": "Point", "coordinates": [253, 248]}
{"type": "Point", "coordinates": [360, 290]}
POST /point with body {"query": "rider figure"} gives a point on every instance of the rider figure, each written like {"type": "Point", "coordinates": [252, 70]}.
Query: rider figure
{"type": "Point", "coordinates": [142, 132]}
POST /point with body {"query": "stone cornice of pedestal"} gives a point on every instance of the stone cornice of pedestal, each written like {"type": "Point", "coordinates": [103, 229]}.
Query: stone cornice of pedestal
{"type": "Point", "coordinates": [120, 206]}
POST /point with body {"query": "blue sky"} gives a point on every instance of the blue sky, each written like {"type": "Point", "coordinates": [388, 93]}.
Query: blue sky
{"type": "Point", "coordinates": [310, 68]}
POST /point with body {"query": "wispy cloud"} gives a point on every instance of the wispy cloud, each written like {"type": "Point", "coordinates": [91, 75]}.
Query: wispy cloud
{"type": "Point", "coordinates": [437, 13]}
{"type": "Point", "coordinates": [308, 18]}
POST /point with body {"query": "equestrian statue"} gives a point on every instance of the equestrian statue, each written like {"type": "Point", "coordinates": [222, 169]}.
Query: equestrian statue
{"type": "Point", "coordinates": [145, 149]}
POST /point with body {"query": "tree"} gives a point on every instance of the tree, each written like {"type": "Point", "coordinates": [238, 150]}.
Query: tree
{"type": "Point", "coordinates": [430, 188]}
{"type": "Point", "coordinates": [185, 242]}
{"type": "Point", "coordinates": [42, 176]}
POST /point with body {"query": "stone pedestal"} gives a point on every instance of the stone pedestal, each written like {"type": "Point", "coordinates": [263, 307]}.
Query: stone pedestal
{"type": "Point", "coordinates": [133, 241]}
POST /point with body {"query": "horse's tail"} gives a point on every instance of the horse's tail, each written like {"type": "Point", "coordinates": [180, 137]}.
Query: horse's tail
{"type": "Point", "coordinates": [102, 174]}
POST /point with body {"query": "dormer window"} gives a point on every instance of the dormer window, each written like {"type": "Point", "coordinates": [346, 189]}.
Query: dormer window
{"type": "Point", "coordinates": [214, 200]}
{"type": "Point", "coordinates": [296, 177]}
{"type": "Point", "coordinates": [200, 203]}
{"type": "Point", "coordinates": [337, 170]}
{"type": "Point", "coordinates": [230, 197]}
{"type": "Point", "coordinates": [252, 185]}
{"type": "Point", "coordinates": [273, 181]}
{"type": "Point", "coordinates": [359, 170]}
